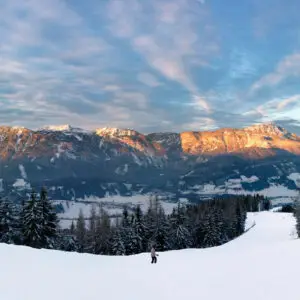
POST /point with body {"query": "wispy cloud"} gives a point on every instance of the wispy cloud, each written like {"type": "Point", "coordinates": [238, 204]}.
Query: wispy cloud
{"type": "Point", "coordinates": [169, 38]}
{"type": "Point", "coordinates": [46, 53]}
{"type": "Point", "coordinates": [148, 79]}
{"type": "Point", "coordinates": [287, 67]}
{"type": "Point", "coordinates": [198, 123]}
{"type": "Point", "coordinates": [277, 108]}
{"type": "Point", "coordinates": [285, 103]}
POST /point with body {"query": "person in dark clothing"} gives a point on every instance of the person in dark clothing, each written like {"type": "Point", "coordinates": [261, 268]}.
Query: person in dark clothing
{"type": "Point", "coordinates": [153, 255]}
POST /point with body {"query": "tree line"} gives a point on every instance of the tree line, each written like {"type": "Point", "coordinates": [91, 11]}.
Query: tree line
{"type": "Point", "coordinates": [295, 209]}
{"type": "Point", "coordinates": [34, 223]}
{"type": "Point", "coordinates": [209, 223]}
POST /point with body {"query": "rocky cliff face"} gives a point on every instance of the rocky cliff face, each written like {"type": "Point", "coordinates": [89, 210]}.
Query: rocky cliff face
{"type": "Point", "coordinates": [73, 162]}
{"type": "Point", "coordinates": [240, 141]}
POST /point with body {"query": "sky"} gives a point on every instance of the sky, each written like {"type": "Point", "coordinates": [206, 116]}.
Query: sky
{"type": "Point", "coordinates": [150, 65]}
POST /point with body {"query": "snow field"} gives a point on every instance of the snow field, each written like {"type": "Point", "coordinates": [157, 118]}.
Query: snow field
{"type": "Point", "coordinates": [260, 265]}
{"type": "Point", "coordinates": [113, 205]}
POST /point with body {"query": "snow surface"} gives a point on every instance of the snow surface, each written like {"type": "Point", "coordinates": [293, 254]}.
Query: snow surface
{"type": "Point", "coordinates": [296, 178]}
{"type": "Point", "coordinates": [65, 127]}
{"type": "Point", "coordinates": [20, 183]}
{"type": "Point", "coordinates": [234, 187]}
{"type": "Point", "coordinates": [122, 170]}
{"type": "Point", "coordinates": [23, 172]}
{"type": "Point", "coordinates": [72, 209]}
{"type": "Point", "coordinates": [260, 265]}
{"type": "Point", "coordinates": [134, 200]}
{"type": "Point", "coordinates": [113, 205]}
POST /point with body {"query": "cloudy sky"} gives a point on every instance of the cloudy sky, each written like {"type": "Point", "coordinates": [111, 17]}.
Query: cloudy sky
{"type": "Point", "coordinates": [152, 65]}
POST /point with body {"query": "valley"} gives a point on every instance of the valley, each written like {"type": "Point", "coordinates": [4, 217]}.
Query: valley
{"type": "Point", "coordinates": [112, 166]}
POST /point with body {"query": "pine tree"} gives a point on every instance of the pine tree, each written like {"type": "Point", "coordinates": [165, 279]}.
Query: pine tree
{"type": "Point", "coordinates": [125, 219]}
{"type": "Point", "coordinates": [163, 228]}
{"type": "Point", "coordinates": [92, 220]}
{"type": "Point", "coordinates": [91, 233]}
{"type": "Point", "coordinates": [98, 235]}
{"type": "Point", "coordinates": [156, 226]}
{"type": "Point", "coordinates": [255, 203]}
{"type": "Point", "coordinates": [49, 221]}
{"type": "Point", "coordinates": [240, 219]}
{"type": "Point", "coordinates": [81, 231]}
{"type": "Point", "coordinates": [32, 223]}
{"type": "Point", "coordinates": [10, 223]}
{"type": "Point", "coordinates": [297, 214]}
{"type": "Point", "coordinates": [102, 232]}
{"type": "Point", "coordinates": [127, 233]}
{"type": "Point", "coordinates": [67, 242]}
{"type": "Point", "coordinates": [212, 225]}
{"type": "Point", "coordinates": [150, 226]}
{"type": "Point", "coordinates": [266, 204]}
{"type": "Point", "coordinates": [139, 231]}
{"type": "Point", "coordinates": [72, 228]}
{"type": "Point", "coordinates": [118, 247]}
{"type": "Point", "coordinates": [180, 237]}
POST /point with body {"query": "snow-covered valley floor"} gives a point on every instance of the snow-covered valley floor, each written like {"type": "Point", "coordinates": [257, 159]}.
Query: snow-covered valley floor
{"type": "Point", "coordinates": [263, 264]}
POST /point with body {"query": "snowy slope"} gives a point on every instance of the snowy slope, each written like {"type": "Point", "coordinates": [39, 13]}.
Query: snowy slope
{"type": "Point", "coordinates": [260, 265]}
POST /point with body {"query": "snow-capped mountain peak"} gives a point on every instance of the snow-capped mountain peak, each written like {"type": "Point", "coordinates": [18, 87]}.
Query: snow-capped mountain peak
{"type": "Point", "coordinates": [269, 128]}
{"type": "Point", "coordinates": [116, 132]}
{"type": "Point", "coordinates": [64, 128]}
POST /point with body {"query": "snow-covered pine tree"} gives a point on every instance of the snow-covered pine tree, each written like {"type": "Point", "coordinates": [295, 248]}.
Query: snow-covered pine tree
{"type": "Point", "coordinates": [126, 218]}
{"type": "Point", "coordinates": [130, 240]}
{"type": "Point", "coordinates": [240, 216]}
{"type": "Point", "coordinates": [193, 214]}
{"type": "Point", "coordinates": [127, 232]}
{"type": "Point", "coordinates": [180, 237]}
{"type": "Point", "coordinates": [230, 220]}
{"type": "Point", "coordinates": [251, 202]}
{"type": "Point", "coordinates": [10, 223]}
{"type": "Point", "coordinates": [72, 228]}
{"type": "Point", "coordinates": [118, 247]}
{"type": "Point", "coordinates": [32, 223]}
{"type": "Point", "coordinates": [91, 232]}
{"type": "Point", "coordinates": [150, 228]}
{"type": "Point", "coordinates": [92, 220]}
{"type": "Point", "coordinates": [139, 231]}
{"type": "Point", "coordinates": [156, 226]}
{"type": "Point", "coordinates": [213, 231]}
{"type": "Point", "coordinates": [162, 232]}
{"type": "Point", "coordinates": [102, 232]}
{"type": "Point", "coordinates": [98, 235]}
{"type": "Point", "coordinates": [49, 221]}
{"type": "Point", "coordinates": [266, 204]}
{"type": "Point", "coordinates": [67, 242]}
{"type": "Point", "coordinates": [297, 213]}
{"type": "Point", "coordinates": [197, 231]}
{"type": "Point", "coordinates": [81, 232]}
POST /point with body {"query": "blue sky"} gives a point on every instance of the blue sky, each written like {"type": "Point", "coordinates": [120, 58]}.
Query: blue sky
{"type": "Point", "coordinates": [152, 65]}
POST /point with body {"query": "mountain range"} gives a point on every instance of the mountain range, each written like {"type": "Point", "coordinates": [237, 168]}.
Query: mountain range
{"type": "Point", "coordinates": [75, 163]}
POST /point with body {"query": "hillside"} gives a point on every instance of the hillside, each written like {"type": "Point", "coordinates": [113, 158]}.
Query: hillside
{"type": "Point", "coordinates": [259, 265]}
{"type": "Point", "coordinates": [74, 163]}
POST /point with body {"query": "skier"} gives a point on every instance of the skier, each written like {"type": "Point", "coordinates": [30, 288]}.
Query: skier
{"type": "Point", "coordinates": [153, 255]}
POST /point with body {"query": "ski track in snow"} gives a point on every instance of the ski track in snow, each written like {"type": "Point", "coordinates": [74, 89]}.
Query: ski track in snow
{"type": "Point", "coordinates": [260, 265]}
